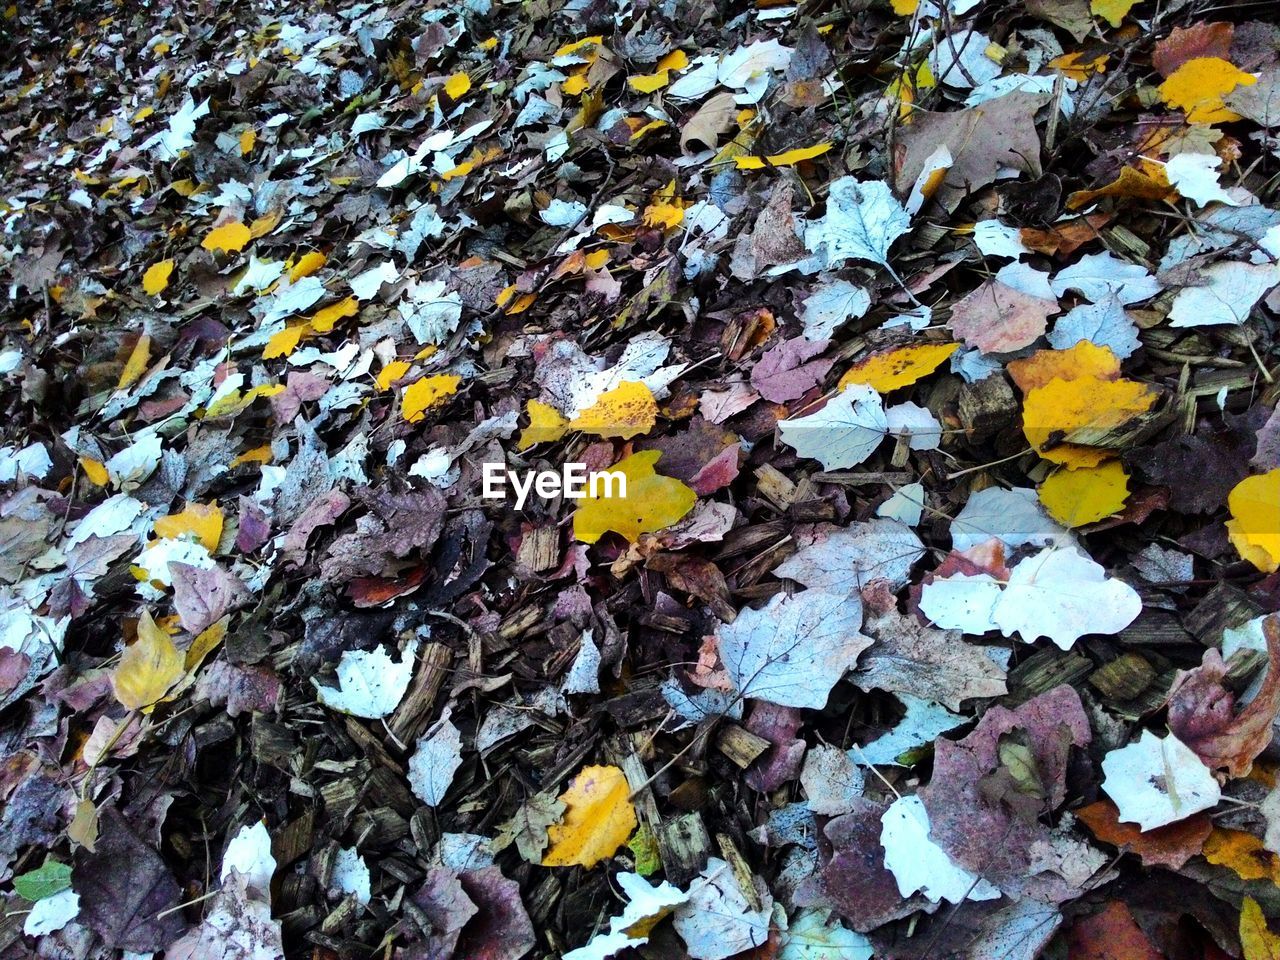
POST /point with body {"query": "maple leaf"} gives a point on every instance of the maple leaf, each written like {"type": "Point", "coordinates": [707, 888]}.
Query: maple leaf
{"type": "Point", "coordinates": [651, 503]}
{"type": "Point", "coordinates": [148, 668]}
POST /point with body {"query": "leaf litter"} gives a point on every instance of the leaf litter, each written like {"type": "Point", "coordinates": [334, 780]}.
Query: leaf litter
{"type": "Point", "coordinates": [936, 344]}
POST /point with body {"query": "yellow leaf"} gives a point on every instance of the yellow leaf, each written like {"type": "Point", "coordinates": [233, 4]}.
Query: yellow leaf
{"type": "Point", "coordinates": [199, 521]}
{"type": "Point", "coordinates": [545, 425]}
{"type": "Point", "coordinates": [148, 668]}
{"type": "Point", "coordinates": [511, 303]}
{"type": "Point", "coordinates": [788, 159]}
{"type": "Point", "coordinates": [1256, 940]}
{"type": "Point", "coordinates": [1074, 66]}
{"type": "Point", "coordinates": [322, 320]}
{"type": "Point", "coordinates": [1132, 183]}
{"type": "Point", "coordinates": [1199, 85]}
{"type": "Point", "coordinates": [204, 644]}
{"type": "Point", "coordinates": [1061, 407]}
{"type": "Point", "coordinates": [1084, 359]}
{"type": "Point", "coordinates": [666, 210]}
{"type": "Point", "coordinates": [260, 454]}
{"type": "Point", "coordinates": [624, 411]}
{"type": "Point", "coordinates": [904, 8]}
{"type": "Point", "coordinates": [307, 264]}
{"type": "Point", "coordinates": [247, 140]}
{"type": "Point", "coordinates": [157, 277]}
{"type": "Point", "coordinates": [1112, 11]}
{"type": "Point", "coordinates": [598, 819]}
{"type": "Point", "coordinates": [95, 471]}
{"type": "Point", "coordinates": [649, 82]}
{"type": "Point", "coordinates": [137, 362]}
{"type": "Point", "coordinates": [574, 85]}
{"type": "Point", "coordinates": [457, 85]}
{"type": "Point", "coordinates": [1254, 527]}
{"type": "Point", "coordinates": [228, 238]}
{"type": "Point", "coordinates": [1077, 497]}
{"type": "Point", "coordinates": [652, 502]}
{"type": "Point", "coordinates": [1243, 853]}
{"type": "Point", "coordinates": [264, 225]}
{"type": "Point", "coordinates": [392, 372]}
{"type": "Point", "coordinates": [284, 342]}
{"type": "Point", "coordinates": [901, 367]}
{"type": "Point", "coordinates": [421, 395]}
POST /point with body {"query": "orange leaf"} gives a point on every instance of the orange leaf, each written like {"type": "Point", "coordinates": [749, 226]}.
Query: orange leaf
{"type": "Point", "coordinates": [1170, 846]}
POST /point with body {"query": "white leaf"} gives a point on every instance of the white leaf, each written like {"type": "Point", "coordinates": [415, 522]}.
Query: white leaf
{"type": "Point", "coordinates": [922, 722]}
{"type": "Point", "coordinates": [906, 505]}
{"type": "Point", "coordinates": [436, 759]}
{"type": "Point", "coordinates": [861, 223]}
{"type": "Point", "coordinates": [1195, 176]}
{"type": "Point", "coordinates": [1100, 273]}
{"type": "Point", "coordinates": [350, 875]}
{"type": "Point", "coordinates": [646, 905]}
{"type": "Point", "coordinates": [738, 68]}
{"type": "Point", "coordinates": [813, 935]}
{"type": "Point", "coordinates": [290, 298]}
{"type": "Point", "coordinates": [430, 313]}
{"type": "Point", "coordinates": [959, 59]}
{"type": "Point", "coordinates": [1158, 781]}
{"type": "Point", "coordinates": [563, 213]}
{"type": "Point", "coordinates": [584, 675]}
{"type": "Point", "coordinates": [50, 914]}
{"type": "Point", "coordinates": [1103, 323]}
{"type": "Point", "coordinates": [367, 284]}
{"type": "Point", "coordinates": [249, 854]}
{"type": "Point", "coordinates": [1063, 595]}
{"type": "Point", "coordinates": [136, 462]}
{"type": "Point", "coordinates": [996, 239]}
{"type": "Point", "coordinates": [113, 515]}
{"type": "Point", "coordinates": [831, 304]}
{"type": "Point", "coordinates": [845, 559]}
{"type": "Point", "coordinates": [1231, 290]}
{"type": "Point", "coordinates": [965, 602]}
{"type": "Point", "coordinates": [1026, 279]}
{"type": "Point", "coordinates": [1014, 517]}
{"type": "Point", "coordinates": [918, 425]}
{"type": "Point", "coordinates": [259, 275]}
{"type": "Point", "coordinates": [832, 781]}
{"type": "Point", "coordinates": [370, 683]}
{"type": "Point", "coordinates": [795, 649]}
{"type": "Point", "coordinates": [168, 144]}
{"type": "Point", "coordinates": [919, 864]}
{"type": "Point", "coordinates": [843, 433]}
{"type": "Point", "coordinates": [32, 461]}
{"type": "Point", "coordinates": [716, 921]}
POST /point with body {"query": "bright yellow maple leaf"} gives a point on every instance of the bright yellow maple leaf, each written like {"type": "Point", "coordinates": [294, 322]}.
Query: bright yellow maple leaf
{"type": "Point", "coordinates": [199, 521]}
{"type": "Point", "coordinates": [148, 668]}
{"type": "Point", "coordinates": [665, 210]}
{"type": "Point", "coordinates": [421, 395]}
{"type": "Point", "coordinates": [1078, 497]}
{"type": "Point", "coordinates": [157, 277]}
{"type": "Point", "coordinates": [787, 159]}
{"type": "Point", "coordinates": [1054, 412]}
{"type": "Point", "coordinates": [392, 372]}
{"type": "Point", "coordinates": [625, 411]}
{"type": "Point", "coordinates": [1254, 527]}
{"type": "Point", "coordinates": [1112, 11]}
{"type": "Point", "coordinates": [228, 238]}
{"type": "Point", "coordinates": [598, 819]}
{"type": "Point", "coordinates": [1198, 86]}
{"type": "Point", "coordinates": [545, 425]}
{"type": "Point", "coordinates": [1256, 939]}
{"type": "Point", "coordinates": [652, 502]}
{"type": "Point", "coordinates": [284, 342]}
{"type": "Point", "coordinates": [1084, 359]}
{"type": "Point", "coordinates": [899, 367]}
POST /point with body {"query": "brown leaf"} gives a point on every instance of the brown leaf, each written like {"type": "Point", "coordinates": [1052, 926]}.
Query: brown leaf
{"type": "Point", "coordinates": [703, 130]}
{"type": "Point", "coordinates": [1202, 709]}
{"type": "Point", "coordinates": [1112, 934]}
{"type": "Point", "coordinates": [1188, 43]}
{"type": "Point", "coordinates": [1170, 846]}
{"type": "Point", "coordinates": [982, 139]}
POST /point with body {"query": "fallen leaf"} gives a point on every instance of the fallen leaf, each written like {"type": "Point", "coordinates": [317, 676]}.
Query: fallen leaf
{"type": "Point", "coordinates": [1157, 781]}
{"type": "Point", "coordinates": [625, 411]}
{"type": "Point", "coordinates": [1254, 527]}
{"type": "Point", "coordinates": [1169, 846]}
{"type": "Point", "coordinates": [843, 433]}
{"type": "Point", "coordinates": [1256, 939]}
{"type": "Point", "coordinates": [996, 318]}
{"type": "Point", "coordinates": [156, 277]}
{"type": "Point", "coordinates": [228, 238]}
{"type": "Point", "coordinates": [598, 819]}
{"type": "Point", "coordinates": [370, 683]}
{"type": "Point", "coordinates": [1078, 497]}
{"type": "Point", "coordinates": [651, 503]}
{"type": "Point", "coordinates": [899, 367]}
{"type": "Point", "coordinates": [148, 667]}
{"type": "Point", "coordinates": [1198, 86]}
{"type": "Point", "coordinates": [427, 392]}
{"type": "Point", "coordinates": [201, 522]}
{"type": "Point", "coordinates": [1061, 410]}
{"type": "Point", "coordinates": [1111, 934]}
